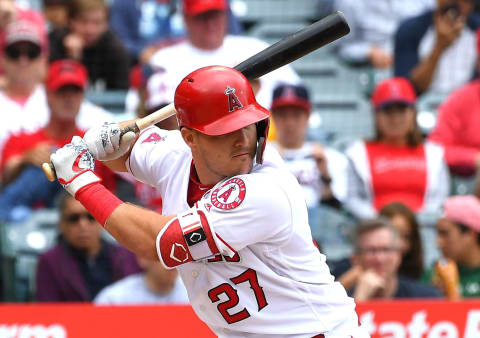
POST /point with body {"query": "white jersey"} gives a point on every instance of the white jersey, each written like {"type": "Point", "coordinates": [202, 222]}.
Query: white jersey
{"type": "Point", "coordinates": [183, 58]}
{"type": "Point", "coordinates": [34, 114]}
{"type": "Point", "coordinates": [245, 250]}
{"type": "Point", "coordinates": [304, 167]}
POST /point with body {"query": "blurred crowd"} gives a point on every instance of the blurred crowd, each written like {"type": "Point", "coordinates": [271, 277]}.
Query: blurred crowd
{"type": "Point", "coordinates": [389, 199]}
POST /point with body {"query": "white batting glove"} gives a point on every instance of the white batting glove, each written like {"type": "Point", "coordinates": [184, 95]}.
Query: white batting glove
{"type": "Point", "coordinates": [106, 142]}
{"type": "Point", "coordinates": [74, 166]}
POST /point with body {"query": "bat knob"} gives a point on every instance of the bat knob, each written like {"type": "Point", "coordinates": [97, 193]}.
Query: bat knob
{"type": "Point", "coordinates": [49, 171]}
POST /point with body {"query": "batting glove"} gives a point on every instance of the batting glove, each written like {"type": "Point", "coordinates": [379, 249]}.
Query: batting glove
{"type": "Point", "coordinates": [74, 166]}
{"type": "Point", "coordinates": [106, 142]}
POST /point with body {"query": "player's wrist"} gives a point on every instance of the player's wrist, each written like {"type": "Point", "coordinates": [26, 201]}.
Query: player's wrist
{"type": "Point", "coordinates": [80, 181]}
{"type": "Point", "coordinates": [98, 200]}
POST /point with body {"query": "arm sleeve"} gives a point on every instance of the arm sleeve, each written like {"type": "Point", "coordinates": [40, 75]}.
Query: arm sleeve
{"type": "Point", "coordinates": [238, 213]}
{"type": "Point", "coordinates": [406, 48]}
{"type": "Point", "coordinates": [155, 154]}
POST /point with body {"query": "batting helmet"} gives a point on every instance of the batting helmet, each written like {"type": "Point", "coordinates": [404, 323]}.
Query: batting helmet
{"type": "Point", "coordinates": [218, 100]}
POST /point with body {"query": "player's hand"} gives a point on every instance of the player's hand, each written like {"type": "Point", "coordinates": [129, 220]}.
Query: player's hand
{"type": "Point", "coordinates": [74, 166]}
{"type": "Point", "coordinates": [368, 286]}
{"type": "Point", "coordinates": [106, 142]}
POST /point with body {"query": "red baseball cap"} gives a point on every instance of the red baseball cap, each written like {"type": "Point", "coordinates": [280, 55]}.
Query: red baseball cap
{"type": "Point", "coordinates": [393, 90]}
{"type": "Point", "coordinates": [195, 7]}
{"type": "Point", "coordinates": [291, 95]}
{"type": "Point", "coordinates": [66, 72]}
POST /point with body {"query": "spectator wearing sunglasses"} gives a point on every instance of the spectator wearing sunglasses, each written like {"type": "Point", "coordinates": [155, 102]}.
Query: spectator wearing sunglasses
{"type": "Point", "coordinates": [25, 184]}
{"type": "Point", "coordinates": [82, 263]}
{"type": "Point", "coordinates": [396, 165]}
{"type": "Point", "coordinates": [23, 57]}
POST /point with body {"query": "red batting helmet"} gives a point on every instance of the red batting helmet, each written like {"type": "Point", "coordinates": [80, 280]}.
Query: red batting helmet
{"type": "Point", "coordinates": [218, 100]}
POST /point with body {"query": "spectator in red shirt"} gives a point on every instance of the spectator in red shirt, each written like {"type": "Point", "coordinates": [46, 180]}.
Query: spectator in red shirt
{"type": "Point", "coordinates": [25, 151]}
{"type": "Point", "coordinates": [457, 129]}
{"type": "Point", "coordinates": [396, 165]}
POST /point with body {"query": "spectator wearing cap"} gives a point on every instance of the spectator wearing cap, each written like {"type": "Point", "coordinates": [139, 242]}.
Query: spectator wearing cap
{"type": "Point", "coordinates": [396, 165]}
{"type": "Point", "coordinates": [458, 237]}
{"type": "Point", "coordinates": [147, 25]}
{"type": "Point", "coordinates": [208, 43]}
{"type": "Point", "coordinates": [24, 59]}
{"type": "Point", "coordinates": [82, 262]}
{"type": "Point", "coordinates": [89, 40]}
{"type": "Point", "coordinates": [320, 170]}
{"type": "Point", "coordinates": [24, 152]}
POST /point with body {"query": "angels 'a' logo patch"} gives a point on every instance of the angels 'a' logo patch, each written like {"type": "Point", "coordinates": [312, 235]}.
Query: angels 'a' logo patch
{"type": "Point", "coordinates": [230, 195]}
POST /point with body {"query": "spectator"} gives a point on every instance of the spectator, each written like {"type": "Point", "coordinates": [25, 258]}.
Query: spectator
{"type": "Point", "coordinates": [437, 49]}
{"type": "Point", "coordinates": [397, 165]}
{"type": "Point", "coordinates": [377, 256]}
{"type": "Point", "coordinates": [405, 221]}
{"type": "Point", "coordinates": [155, 285]}
{"type": "Point", "coordinates": [56, 13]}
{"type": "Point", "coordinates": [459, 241]}
{"type": "Point", "coordinates": [406, 224]}
{"type": "Point", "coordinates": [207, 44]}
{"type": "Point", "coordinates": [457, 129]}
{"type": "Point", "coordinates": [24, 59]}
{"type": "Point", "coordinates": [82, 263]}
{"type": "Point", "coordinates": [24, 152]}
{"type": "Point", "coordinates": [146, 25]}
{"type": "Point", "coordinates": [372, 28]}
{"type": "Point", "coordinates": [89, 40]}
{"type": "Point", "coordinates": [320, 170]}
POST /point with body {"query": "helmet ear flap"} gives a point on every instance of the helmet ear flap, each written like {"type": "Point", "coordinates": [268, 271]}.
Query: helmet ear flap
{"type": "Point", "coordinates": [262, 134]}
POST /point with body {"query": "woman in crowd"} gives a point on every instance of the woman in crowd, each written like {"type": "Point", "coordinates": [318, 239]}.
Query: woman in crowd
{"type": "Point", "coordinates": [397, 164]}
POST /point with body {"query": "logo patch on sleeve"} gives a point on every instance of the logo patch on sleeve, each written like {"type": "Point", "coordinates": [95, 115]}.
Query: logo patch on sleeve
{"type": "Point", "coordinates": [230, 195]}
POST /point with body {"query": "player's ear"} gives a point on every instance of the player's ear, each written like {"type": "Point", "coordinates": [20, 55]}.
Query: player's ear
{"type": "Point", "coordinates": [188, 136]}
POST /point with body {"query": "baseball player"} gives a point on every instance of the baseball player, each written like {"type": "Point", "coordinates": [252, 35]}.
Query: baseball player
{"type": "Point", "coordinates": [237, 229]}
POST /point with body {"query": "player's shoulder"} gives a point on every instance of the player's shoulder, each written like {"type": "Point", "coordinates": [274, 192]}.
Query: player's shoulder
{"type": "Point", "coordinates": [257, 191]}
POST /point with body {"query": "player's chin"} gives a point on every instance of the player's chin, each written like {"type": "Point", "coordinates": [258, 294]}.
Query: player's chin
{"type": "Point", "coordinates": [241, 167]}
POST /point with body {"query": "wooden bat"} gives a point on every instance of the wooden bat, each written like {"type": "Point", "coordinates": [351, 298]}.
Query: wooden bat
{"type": "Point", "coordinates": [287, 50]}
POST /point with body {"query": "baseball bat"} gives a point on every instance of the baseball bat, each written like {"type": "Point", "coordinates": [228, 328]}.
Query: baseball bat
{"type": "Point", "coordinates": [287, 50]}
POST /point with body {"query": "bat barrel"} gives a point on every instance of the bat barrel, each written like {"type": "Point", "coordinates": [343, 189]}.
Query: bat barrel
{"type": "Point", "coordinates": [293, 47]}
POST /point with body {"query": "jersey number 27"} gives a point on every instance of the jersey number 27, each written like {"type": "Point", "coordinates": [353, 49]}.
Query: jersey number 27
{"type": "Point", "coordinates": [248, 276]}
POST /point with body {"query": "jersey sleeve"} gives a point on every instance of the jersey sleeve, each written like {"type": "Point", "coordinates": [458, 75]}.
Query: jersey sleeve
{"type": "Point", "coordinates": [239, 212]}
{"type": "Point", "coordinates": [156, 154]}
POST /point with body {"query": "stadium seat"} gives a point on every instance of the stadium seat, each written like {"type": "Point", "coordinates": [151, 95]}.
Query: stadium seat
{"type": "Point", "coordinates": [279, 11]}
{"type": "Point", "coordinates": [111, 100]}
